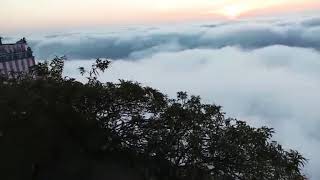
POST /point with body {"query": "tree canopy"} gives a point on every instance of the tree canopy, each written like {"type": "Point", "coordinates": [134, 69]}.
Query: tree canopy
{"type": "Point", "coordinates": [55, 127]}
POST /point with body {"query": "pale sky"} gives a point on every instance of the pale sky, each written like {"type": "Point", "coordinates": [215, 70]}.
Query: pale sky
{"type": "Point", "coordinates": [24, 14]}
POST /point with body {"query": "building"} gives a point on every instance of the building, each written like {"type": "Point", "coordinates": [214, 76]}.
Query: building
{"type": "Point", "coordinates": [15, 58]}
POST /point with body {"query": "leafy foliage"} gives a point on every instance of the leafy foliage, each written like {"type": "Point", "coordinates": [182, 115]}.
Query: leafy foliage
{"type": "Point", "coordinates": [50, 121]}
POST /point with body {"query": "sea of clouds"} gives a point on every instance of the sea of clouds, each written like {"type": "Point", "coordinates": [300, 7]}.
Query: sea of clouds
{"type": "Point", "coordinates": [265, 71]}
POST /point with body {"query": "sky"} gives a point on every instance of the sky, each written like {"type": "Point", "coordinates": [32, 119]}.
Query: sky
{"type": "Point", "coordinates": [47, 14]}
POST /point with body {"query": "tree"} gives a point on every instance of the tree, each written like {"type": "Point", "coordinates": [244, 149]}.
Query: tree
{"type": "Point", "coordinates": [54, 127]}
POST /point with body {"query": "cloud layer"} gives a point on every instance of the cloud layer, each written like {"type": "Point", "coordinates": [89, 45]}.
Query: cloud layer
{"type": "Point", "coordinates": [138, 42]}
{"type": "Point", "coordinates": [263, 71]}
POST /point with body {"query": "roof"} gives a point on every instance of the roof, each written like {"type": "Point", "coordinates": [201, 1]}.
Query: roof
{"type": "Point", "coordinates": [15, 58]}
{"type": "Point", "coordinates": [18, 50]}
{"type": "Point", "coordinates": [19, 46]}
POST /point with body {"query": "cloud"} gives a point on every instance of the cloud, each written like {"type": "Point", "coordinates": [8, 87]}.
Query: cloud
{"type": "Point", "coordinates": [312, 22]}
{"type": "Point", "coordinates": [128, 43]}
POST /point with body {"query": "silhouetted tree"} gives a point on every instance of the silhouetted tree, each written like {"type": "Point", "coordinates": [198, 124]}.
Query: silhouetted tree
{"type": "Point", "coordinates": [54, 127]}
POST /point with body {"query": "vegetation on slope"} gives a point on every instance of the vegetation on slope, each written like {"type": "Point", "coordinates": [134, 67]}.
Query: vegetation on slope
{"type": "Point", "coordinates": [54, 127]}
